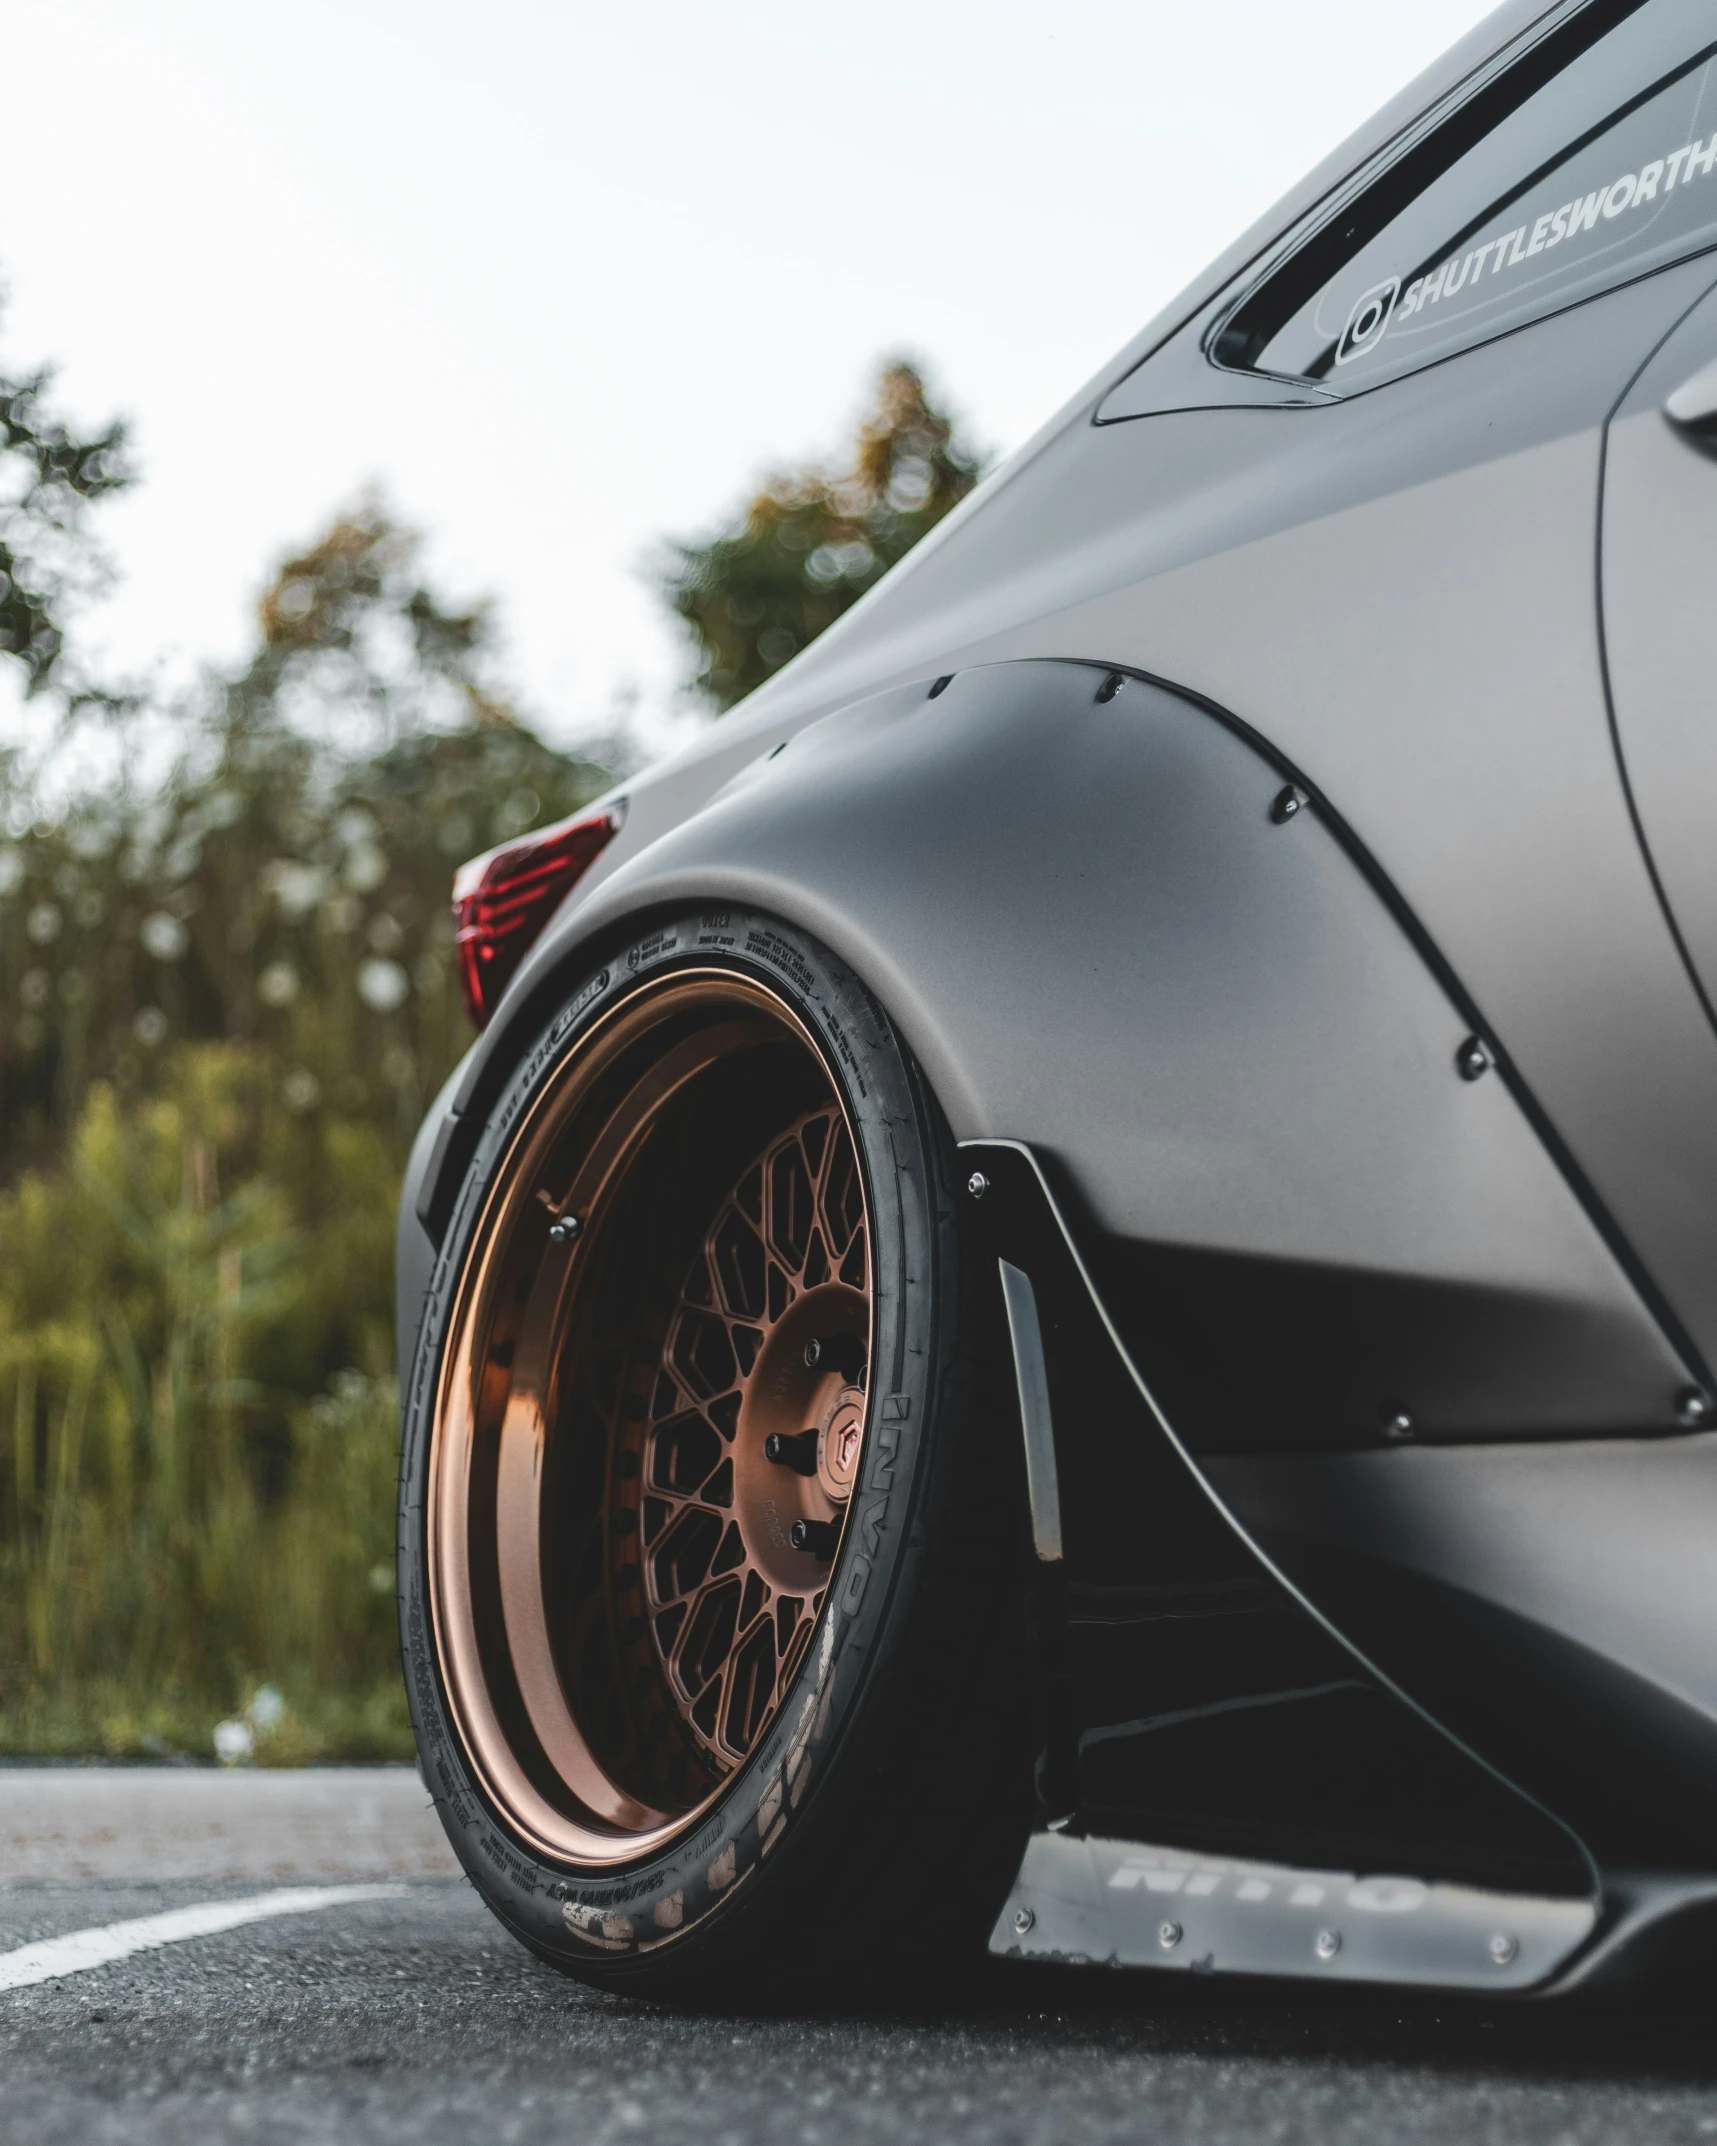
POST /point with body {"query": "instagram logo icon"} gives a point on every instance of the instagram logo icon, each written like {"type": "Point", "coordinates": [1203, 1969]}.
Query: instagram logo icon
{"type": "Point", "coordinates": [1365, 324]}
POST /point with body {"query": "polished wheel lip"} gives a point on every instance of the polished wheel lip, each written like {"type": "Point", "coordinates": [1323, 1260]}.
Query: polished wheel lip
{"type": "Point", "coordinates": [616, 1828]}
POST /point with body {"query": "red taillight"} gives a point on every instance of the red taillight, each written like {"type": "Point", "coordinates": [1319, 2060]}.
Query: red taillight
{"type": "Point", "coordinates": [502, 900]}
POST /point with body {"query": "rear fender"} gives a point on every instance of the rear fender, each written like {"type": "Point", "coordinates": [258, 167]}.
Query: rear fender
{"type": "Point", "coordinates": [1107, 933]}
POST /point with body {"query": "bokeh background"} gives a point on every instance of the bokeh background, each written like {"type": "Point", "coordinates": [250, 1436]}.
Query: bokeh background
{"type": "Point", "coordinates": [448, 412]}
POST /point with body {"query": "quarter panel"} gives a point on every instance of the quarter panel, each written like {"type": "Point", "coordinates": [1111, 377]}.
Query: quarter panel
{"type": "Point", "coordinates": [1553, 1605]}
{"type": "Point", "coordinates": [1399, 592]}
{"type": "Point", "coordinates": [1660, 630]}
{"type": "Point", "coordinates": [1085, 921]}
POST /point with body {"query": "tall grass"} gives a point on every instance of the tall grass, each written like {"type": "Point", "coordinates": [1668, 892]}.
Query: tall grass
{"type": "Point", "coordinates": [175, 1529]}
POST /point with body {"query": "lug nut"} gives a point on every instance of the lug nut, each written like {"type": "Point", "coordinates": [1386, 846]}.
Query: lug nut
{"type": "Point", "coordinates": [1693, 1406]}
{"type": "Point", "coordinates": [1397, 1424]}
{"type": "Point", "coordinates": [797, 1451]}
{"type": "Point", "coordinates": [1473, 1060]}
{"type": "Point", "coordinates": [1168, 1935]}
{"type": "Point", "coordinates": [819, 1537]}
{"type": "Point", "coordinates": [837, 1352]}
{"type": "Point", "coordinates": [1024, 1920]}
{"type": "Point", "coordinates": [565, 1231]}
{"type": "Point", "coordinates": [1503, 1948]}
{"type": "Point", "coordinates": [977, 1184]}
{"type": "Point", "coordinates": [1327, 1944]}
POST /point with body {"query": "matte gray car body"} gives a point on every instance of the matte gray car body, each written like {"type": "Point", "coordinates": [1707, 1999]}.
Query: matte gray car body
{"type": "Point", "coordinates": [1235, 1039]}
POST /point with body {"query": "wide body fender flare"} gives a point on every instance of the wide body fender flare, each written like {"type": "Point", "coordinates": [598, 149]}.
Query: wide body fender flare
{"type": "Point", "coordinates": [1114, 926]}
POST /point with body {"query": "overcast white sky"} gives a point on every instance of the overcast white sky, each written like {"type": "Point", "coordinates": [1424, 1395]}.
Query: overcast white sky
{"type": "Point", "coordinates": [564, 276]}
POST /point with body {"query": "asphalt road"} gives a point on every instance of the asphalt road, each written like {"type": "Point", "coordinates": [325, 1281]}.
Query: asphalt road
{"type": "Point", "coordinates": [397, 2010]}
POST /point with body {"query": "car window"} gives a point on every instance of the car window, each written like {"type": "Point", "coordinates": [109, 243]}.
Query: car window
{"type": "Point", "coordinates": [1596, 175]}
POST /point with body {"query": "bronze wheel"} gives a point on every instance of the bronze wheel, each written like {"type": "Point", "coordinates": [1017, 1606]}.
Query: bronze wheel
{"type": "Point", "coordinates": [709, 1497]}
{"type": "Point", "coordinates": [651, 1416]}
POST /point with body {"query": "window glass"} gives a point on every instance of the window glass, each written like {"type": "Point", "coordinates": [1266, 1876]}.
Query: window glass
{"type": "Point", "coordinates": [1607, 170]}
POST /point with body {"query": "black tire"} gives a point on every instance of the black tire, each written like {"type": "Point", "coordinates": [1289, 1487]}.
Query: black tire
{"type": "Point", "coordinates": [885, 1806]}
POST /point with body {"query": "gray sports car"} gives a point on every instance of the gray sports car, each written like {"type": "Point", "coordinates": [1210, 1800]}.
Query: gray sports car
{"type": "Point", "coordinates": [1070, 1301]}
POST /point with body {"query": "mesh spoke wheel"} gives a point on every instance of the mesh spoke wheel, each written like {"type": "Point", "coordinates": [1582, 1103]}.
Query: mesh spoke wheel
{"type": "Point", "coordinates": [753, 1433]}
{"type": "Point", "coordinates": [651, 1417]}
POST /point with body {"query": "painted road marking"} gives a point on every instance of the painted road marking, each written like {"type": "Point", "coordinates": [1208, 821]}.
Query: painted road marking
{"type": "Point", "coordinates": [83, 1949]}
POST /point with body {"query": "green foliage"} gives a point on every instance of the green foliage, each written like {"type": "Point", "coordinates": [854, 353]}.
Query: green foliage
{"type": "Point", "coordinates": [286, 882]}
{"type": "Point", "coordinates": [224, 1002]}
{"type": "Point", "coordinates": [178, 1519]}
{"type": "Point", "coordinates": [809, 544]}
{"type": "Point", "coordinates": [49, 477]}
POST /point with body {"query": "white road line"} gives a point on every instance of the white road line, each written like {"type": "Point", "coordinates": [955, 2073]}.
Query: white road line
{"type": "Point", "coordinates": [81, 1949]}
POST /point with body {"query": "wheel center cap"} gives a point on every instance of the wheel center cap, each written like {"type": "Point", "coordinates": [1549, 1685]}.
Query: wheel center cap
{"type": "Point", "coordinates": [838, 1444]}
{"type": "Point", "coordinates": [819, 1413]}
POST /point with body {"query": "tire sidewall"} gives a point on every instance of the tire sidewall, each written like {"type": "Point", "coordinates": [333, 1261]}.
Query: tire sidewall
{"type": "Point", "coordinates": [676, 1901]}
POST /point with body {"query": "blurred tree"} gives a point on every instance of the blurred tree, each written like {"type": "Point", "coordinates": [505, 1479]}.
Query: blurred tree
{"type": "Point", "coordinates": [226, 995]}
{"type": "Point", "coordinates": [49, 477]}
{"type": "Point", "coordinates": [286, 882]}
{"type": "Point", "coordinates": [356, 651]}
{"type": "Point", "coordinates": [810, 543]}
